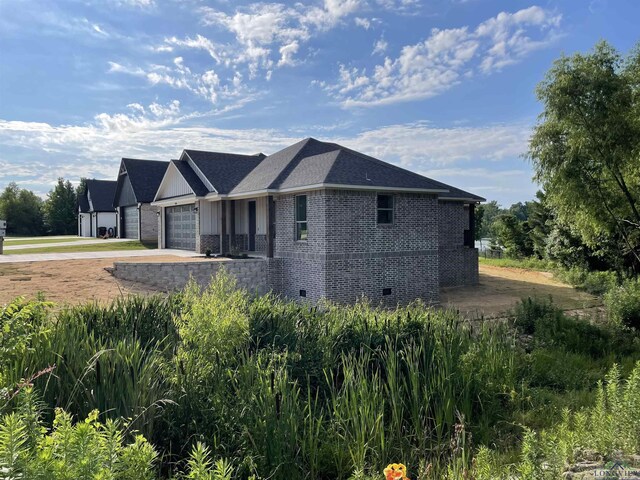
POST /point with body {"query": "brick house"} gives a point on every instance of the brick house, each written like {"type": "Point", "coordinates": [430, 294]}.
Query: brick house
{"type": "Point", "coordinates": [138, 182]}
{"type": "Point", "coordinates": [331, 222]}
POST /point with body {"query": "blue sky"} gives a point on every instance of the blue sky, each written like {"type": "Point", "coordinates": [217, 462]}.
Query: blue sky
{"type": "Point", "coordinates": [442, 87]}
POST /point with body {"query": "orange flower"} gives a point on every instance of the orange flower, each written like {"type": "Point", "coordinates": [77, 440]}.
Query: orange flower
{"type": "Point", "coordinates": [395, 471]}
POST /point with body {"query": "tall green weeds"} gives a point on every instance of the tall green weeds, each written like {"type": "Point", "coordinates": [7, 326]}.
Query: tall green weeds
{"type": "Point", "coordinates": [229, 385]}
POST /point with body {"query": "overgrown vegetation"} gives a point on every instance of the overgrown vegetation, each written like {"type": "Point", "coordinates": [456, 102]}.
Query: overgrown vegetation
{"type": "Point", "coordinates": [224, 385]}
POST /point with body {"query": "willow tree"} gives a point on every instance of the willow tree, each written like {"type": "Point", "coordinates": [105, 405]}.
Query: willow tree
{"type": "Point", "coordinates": [586, 146]}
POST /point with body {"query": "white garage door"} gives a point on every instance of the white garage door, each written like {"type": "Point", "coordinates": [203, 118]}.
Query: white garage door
{"type": "Point", "coordinates": [130, 222]}
{"type": "Point", "coordinates": [181, 227]}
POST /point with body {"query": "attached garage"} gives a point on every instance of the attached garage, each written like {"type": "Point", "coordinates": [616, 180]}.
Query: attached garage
{"type": "Point", "coordinates": [131, 222]}
{"type": "Point", "coordinates": [180, 227]}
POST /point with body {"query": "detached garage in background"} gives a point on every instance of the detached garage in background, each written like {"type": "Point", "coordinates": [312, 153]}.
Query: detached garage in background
{"type": "Point", "coordinates": [138, 181]}
{"type": "Point", "coordinates": [96, 216]}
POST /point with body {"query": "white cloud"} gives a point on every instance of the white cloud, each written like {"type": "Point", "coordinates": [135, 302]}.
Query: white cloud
{"type": "Point", "coordinates": [446, 57]}
{"type": "Point", "coordinates": [263, 30]}
{"type": "Point", "coordinates": [287, 52]}
{"type": "Point", "coordinates": [400, 6]}
{"type": "Point", "coordinates": [421, 146]}
{"type": "Point", "coordinates": [458, 155]}
{"type": "Point", "coordinates": [134, 3]}
{"type": "Point", "coordinates": [199, 43]}
{"type": "Point", "coordinates": [207, 85]}
{"type": "Point", "coordinates": [362, 22]}
{"type": "Point", "coordinates": [380, 47]}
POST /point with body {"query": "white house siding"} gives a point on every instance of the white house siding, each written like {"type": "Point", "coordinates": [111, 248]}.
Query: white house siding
{"type": "Point", "coordinates": [174, 185]}
{"type": "Point", "coordinates": [84, 225]}
{"type": "Point", "coordinates": [209, 217]}
{"type": "Point", "coordinates": [242, 216]}
{"type": "Point", "coordinates": [103, 219]}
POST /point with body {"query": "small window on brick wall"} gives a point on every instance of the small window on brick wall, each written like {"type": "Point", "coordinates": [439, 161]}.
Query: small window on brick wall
{"type": "Point", "coordinates": [302, 230]}
{"type": "Point", "coordinates": [385, 209]}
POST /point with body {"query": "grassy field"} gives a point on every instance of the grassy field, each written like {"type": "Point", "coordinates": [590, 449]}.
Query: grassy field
{"type": "Point", "coordinates": [105, 245]}
{"type": "Point", "coordinates": [16, 241]}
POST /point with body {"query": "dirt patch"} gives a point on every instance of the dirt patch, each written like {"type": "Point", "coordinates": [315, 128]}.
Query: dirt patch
{"type": "Point", "coordinates": [501, 288]}
{"type": "Point", "coordinates": [73, 281]}
{"type": "Point", "coordinates": [77, 281]}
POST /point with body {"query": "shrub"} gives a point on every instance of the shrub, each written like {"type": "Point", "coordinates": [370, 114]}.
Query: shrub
{"type": "Point", "coordinates": [86, 449]}
{"type": "Point", "coordinates": [551, 327]}
{"type": "Point", "coordinates": [594, 282]}
{"type": "Point", "coordinates": [623, 304]}
{"type": "Point", "coordinates": [611, 426]}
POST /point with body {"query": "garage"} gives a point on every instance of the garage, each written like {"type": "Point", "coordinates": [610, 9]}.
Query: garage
{"type": "Point", "coordinates": [131, 222]}
{"type": "Point", "coordinates": [180, 225]}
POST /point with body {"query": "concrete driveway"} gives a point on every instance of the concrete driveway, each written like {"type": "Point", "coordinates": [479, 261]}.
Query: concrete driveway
{"type": "Point", "coordinates": [45, 257]}
{"type": "Point", "coordinates": [89, 241]}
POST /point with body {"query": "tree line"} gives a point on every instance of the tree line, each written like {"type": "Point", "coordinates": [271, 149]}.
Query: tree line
{"type": "Point", "coordinates": [28, 214]}
{"type": "Point", "coordinates": [585, 151]}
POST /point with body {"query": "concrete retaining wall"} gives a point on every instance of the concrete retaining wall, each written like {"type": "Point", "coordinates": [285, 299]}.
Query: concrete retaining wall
{"type": "Point", "coordinates": [250, 273]}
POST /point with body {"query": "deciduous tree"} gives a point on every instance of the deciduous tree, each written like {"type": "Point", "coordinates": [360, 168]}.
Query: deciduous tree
{"type": "Point", "coordinates": [586, 146]}
{"type": "Point", "coordinates": [22, 209]}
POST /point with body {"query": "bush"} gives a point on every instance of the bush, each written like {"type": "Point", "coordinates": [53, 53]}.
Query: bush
{"type": "Point", "coordinates": [623, 304]}
{"type": "Point", "coordinates": [87, 449]}
{"type": "Point", "coordinates": [596, 283]}
{"type": "Point", "coordinates": [551, 327]}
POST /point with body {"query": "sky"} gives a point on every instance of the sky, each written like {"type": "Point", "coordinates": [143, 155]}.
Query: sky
{"type": "Point", "coordinates": [445, 88]}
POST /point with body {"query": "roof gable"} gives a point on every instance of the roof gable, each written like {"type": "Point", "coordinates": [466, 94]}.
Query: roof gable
{"type": "Point", "coordinates": [180, 180]}
{"type": "Point", "coordinates": [100, 195]}
{"type": "Point", "coordinates": [144, 176]}
{"type": "Point", "coordinates": [220, 171]}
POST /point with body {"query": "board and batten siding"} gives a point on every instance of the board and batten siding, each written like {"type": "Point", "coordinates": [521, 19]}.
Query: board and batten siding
{"type": "Point", "coordinates": [126, 197]}
{"type": "Point", "coordinates": [242, 216]}
{"type": "Point", "coordinates": [209, 217]}
{"type": "Point", "coordinates": [174, 185]}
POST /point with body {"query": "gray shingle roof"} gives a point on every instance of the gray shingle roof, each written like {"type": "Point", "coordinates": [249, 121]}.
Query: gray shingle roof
{"type": "Point", "coordinates": [224, 170]}
{"type": "Point", "coordinates": [311, 162]}
{"type": "Point", "coordinates": [456, 193]}
{"type": "Point", "coordinates": [102, 193]}
{"type": "Point", "coordinates": [83, 203]}
{"type": "Point", "coordinates": [191, 177]}
{"type": "Point", "coordinates": [145, 177]}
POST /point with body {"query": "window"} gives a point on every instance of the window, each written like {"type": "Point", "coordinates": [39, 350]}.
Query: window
{"type": "Point", "coordinates": [301, 217]}
{"type": "Point", "coordinates": [385, 208]}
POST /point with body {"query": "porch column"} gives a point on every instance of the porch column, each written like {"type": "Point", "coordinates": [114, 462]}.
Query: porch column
{"type": "Point", "coordinates": [232, 225]}
{"type": "Point", "coordinates": [271, 210]}
{"type": "Point", "coordinates": [223, 227]}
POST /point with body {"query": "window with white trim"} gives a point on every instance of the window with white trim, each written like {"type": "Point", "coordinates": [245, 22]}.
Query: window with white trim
{"type": "Point", "coordinates": [385, 208]}
{"type": "Point", "coordinates": [301, 217]}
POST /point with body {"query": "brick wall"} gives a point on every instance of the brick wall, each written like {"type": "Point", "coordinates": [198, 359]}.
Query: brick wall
{"type": "Point", "coordinates": [250, 273]}
{"type": "Point", "coordinates": [209, 242]}
{"type": "Point", "coordinates": [148, 223]}
{"type": "Point", "coordinates": [458, 264]}
{"type": "Point", "coordinates": [348, 255]}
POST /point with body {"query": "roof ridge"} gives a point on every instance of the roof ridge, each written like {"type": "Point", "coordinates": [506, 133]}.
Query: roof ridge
{"type": "Point", "coordinates": [292, 164]}
{"type": "Point", "coordinates": [391, 165]}
{"type": "Point", "coordinates": [225, 153]}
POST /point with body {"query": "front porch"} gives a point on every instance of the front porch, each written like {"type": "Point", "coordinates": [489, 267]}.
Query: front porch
{"type": "Point", "coordinates": [235, 226]}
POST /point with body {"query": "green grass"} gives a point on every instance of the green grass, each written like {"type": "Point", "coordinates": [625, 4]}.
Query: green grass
{"type": "Point", "coordinates": [98, 247]}
{"type": "Point", "coordinates": [526, 263]}
{"type": "Point", "coordinates": [9, 242]}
